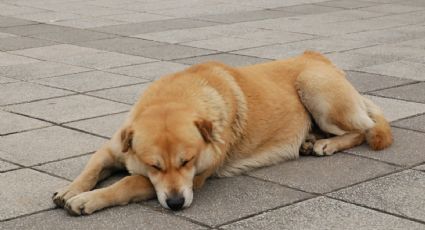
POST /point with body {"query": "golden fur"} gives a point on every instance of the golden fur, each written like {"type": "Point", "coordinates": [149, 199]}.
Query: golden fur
{"type": "Point", "coordinates": [213, 119]}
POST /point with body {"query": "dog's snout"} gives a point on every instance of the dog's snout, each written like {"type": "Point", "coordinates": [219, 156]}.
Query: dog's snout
{"type": "Point", "coordinates": [175, 202]}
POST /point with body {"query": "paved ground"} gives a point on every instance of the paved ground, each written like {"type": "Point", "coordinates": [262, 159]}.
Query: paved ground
{"type": "Point", "coordinates": [70, 70]}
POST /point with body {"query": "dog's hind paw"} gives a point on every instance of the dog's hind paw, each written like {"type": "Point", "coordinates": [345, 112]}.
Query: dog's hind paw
{"type": "Point", "coordinates": [324, 147]}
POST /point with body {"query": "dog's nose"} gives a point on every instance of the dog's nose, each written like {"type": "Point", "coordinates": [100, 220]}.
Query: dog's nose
{"type": "Point", "coordinates": [175, 203]}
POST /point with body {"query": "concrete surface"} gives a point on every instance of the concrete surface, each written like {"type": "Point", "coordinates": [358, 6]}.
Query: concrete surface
{"type": "Point", "coordinates": [71, 69]}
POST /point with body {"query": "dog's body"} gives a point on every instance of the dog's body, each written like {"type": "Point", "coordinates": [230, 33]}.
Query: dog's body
{"type": "Point", "coordinates": [212, 119]}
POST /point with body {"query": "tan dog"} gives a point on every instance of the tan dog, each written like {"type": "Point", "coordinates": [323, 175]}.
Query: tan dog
{"type": "Point", "coordinates": [212, 119]}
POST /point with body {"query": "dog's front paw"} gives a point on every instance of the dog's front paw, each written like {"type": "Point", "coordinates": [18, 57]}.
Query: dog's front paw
{"type": "Point", "coordinates": [62, 195]}
{"type": "Point", "coordinates": [324, 147]}
{"type": "Point", "coordinates": [84, 204]}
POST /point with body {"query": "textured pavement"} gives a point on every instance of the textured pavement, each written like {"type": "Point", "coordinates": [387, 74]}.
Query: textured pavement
{"type": "Point", "coordinates": [71, 69]}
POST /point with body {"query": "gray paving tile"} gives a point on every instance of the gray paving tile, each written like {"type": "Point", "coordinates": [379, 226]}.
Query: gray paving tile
{"type": "Point", "coordinates": [243, 16]}
{"type": "Point", "coordinates": [137, 17]}
{"type": "Point", "coordinates": [196, 34]}
{"type": "Point", "coordinates": [27, 191]}
{"type": "Point", "coordinates": [308, 9]}
{"type": "Point", "coordinates": [71, 108]}
{"type": "Point", "coordinates": [18, 92]}
{"type": "Point", "coordinates": [226, 44]}
{"type": "Point", "coordinates": [309, 173]}
{"type": "Point", "coordinates": [6, 35]}
{"type": "Point", "coordinates": [88, 81]}
{"type": "Point", "coordinates": [11, 21]}
{"type": "Point", "coordinates": [17, 43]}
{"type": "Point", "coordinates": [349, 61]}
{"type": "Point", "coordinates": [55, 52]}
{"type": "Point", "coordinates": [68, 168]}
{"type": "Point", "coordinates": [413, 92]}
{"type": "Point", "coordinates": [46, 144]}
{"type": "Point", "coordinates": [275, 36]}
{"type": "Point", "coordinates": [89, 22]}
{"type": "Point", "coordinates": [105, 126]}
{"type": "Point", "coordinates": [390, 35]}
{"type": "Point", "coordinates": [406, 150]}
{"type": "Point", "coordinates": [11, 123]}
{"type": "Point", "coordinates": [170, 52]}
{"type": "Point", "coordinates": [420, 167]}
{"type": "Point", "coordinates": [401, 69]}
{"type": "Point", "coordinates": [126, 94]}
{"type": "Point", "coordinates": [393, 8]}
{"type": "Point", "coordinates": [10, 59]}
{"type": "Point", "coordinates": [397, 109]}
{"type": "Point", "coordinates": [72, 36]}
{"type": "Point", "coordinates": [324, 213]}
{"type": "Point", "coordinates": [149, 71]}
{"type": "Point", "coordinates": [133, 46]}
{"type": "Point", "coordinates": [26, 30]}
{"type": "Point", "coordinates": [5, 166]}
{"type": "Point", "coordinates": [153, 26]}
{"type": "Point", "coordinates": [400, 193]}
{"type": "Point", "coordinates": [39, 69]}
{"type": "Point", "coordinates": [227, 58]}
{"type": "Point", "coordinates": [365, 82]}
{"type": "Point", "coordinates": [127, 217]}
{"type": "Point", "coordinates": [347, 4]}
{"type": "Point", "coordinates": [6, 79]}
{"type": "Point", "coordinates": [49, 16]}
{"type": "Point", "coordinates": [252, 196]}
{"type": "Point", "coordinates": [419, 43]}
{"type": "Point", "coordinates": [324, 45]}
{"type": "Point", "coordinates": [392, 51]}
{"type": "Point", "coordinates": [104, 60]}
{"type": "Point", "coordinates": [414, 123]}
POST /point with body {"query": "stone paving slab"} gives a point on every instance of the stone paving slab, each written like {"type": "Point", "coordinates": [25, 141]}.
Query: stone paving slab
{"type": "Point", "coordinates": [414, 123]}
{"type": "Point", "coordinates": [128, 217]}
{"type": "Point", "coordinates": [104, 126]}
{"type": "Point", "coordinates": [420, 167]}
{"type": "Point", "coordinates": [55, 52]}
{"type": "Point", "coordinates": [397, 109]}
{"type": "Point", "coordinates": [6, 166]}
{"type": "Point", "coordinates": [227, 58]}
{"type": "Point", "coordinates": [366, 82]}
{"type": "Point", "coordinates": [236, 198]}
{"type": "Point", "coordinates": [401, 194]}
{"type": "Point", "coordinates": [149, 71]}
{"type": "Point", "coordinates": [66, 109]}
{"type": "Point", "coordinates": [125, 94]}
{"type": "Point", "coordinates": [47, 144]}
{"type": "Point", "coordinates": [17, 43]}
{"type": "Point", "coordinates": [27, 191]}
{"type": "Point", "coordinates": [401, 69]}
{"type": "Point", "coordinates": [402, 152]}
{"type": "Point", "coordinates": [89, 81]}
{"type": "Point", "coordinates": [7, 59]}
{"type": "Point", "coordinates": [324, 213]}
{"type": "Point", "coordinates": [19, 92]}
{"type": "Point", "coordinates": [68, 168]}
{"type": "Point", "coordinates": [323, 174]}
{"type": "Point", "coordinates": [11, 123]}
{"type": "Point", "coordinates": [39, 69]}
{"type": "Point", "coordinates": [412, 92]}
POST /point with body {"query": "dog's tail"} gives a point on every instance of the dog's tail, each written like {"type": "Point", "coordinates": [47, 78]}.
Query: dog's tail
{"type": "Point", "coordinates": [379, 136]}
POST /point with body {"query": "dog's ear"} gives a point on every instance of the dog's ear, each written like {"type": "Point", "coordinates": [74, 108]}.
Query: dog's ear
{"type": "Point", "coordinates": [206, 129]}
{"type": "Point", "coordinates": [126, 139]}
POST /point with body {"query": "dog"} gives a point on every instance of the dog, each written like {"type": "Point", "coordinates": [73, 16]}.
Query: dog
{"type": "Point", "coordinates": [215, 120]}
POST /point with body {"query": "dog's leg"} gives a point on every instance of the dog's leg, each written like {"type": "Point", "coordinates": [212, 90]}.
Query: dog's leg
{"type": "Point", "coordinates": [129, 189]}
{"type": "Point", "coordinates": [337, 108]}
{"type": "Point", "coordinates": [99, 167]}
{"type": "Point", "coordinates": [338, 143]}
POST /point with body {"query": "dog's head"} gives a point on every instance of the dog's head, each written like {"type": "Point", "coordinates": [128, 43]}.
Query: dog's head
{"type": "Point", "coordinates": [169, 144]}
